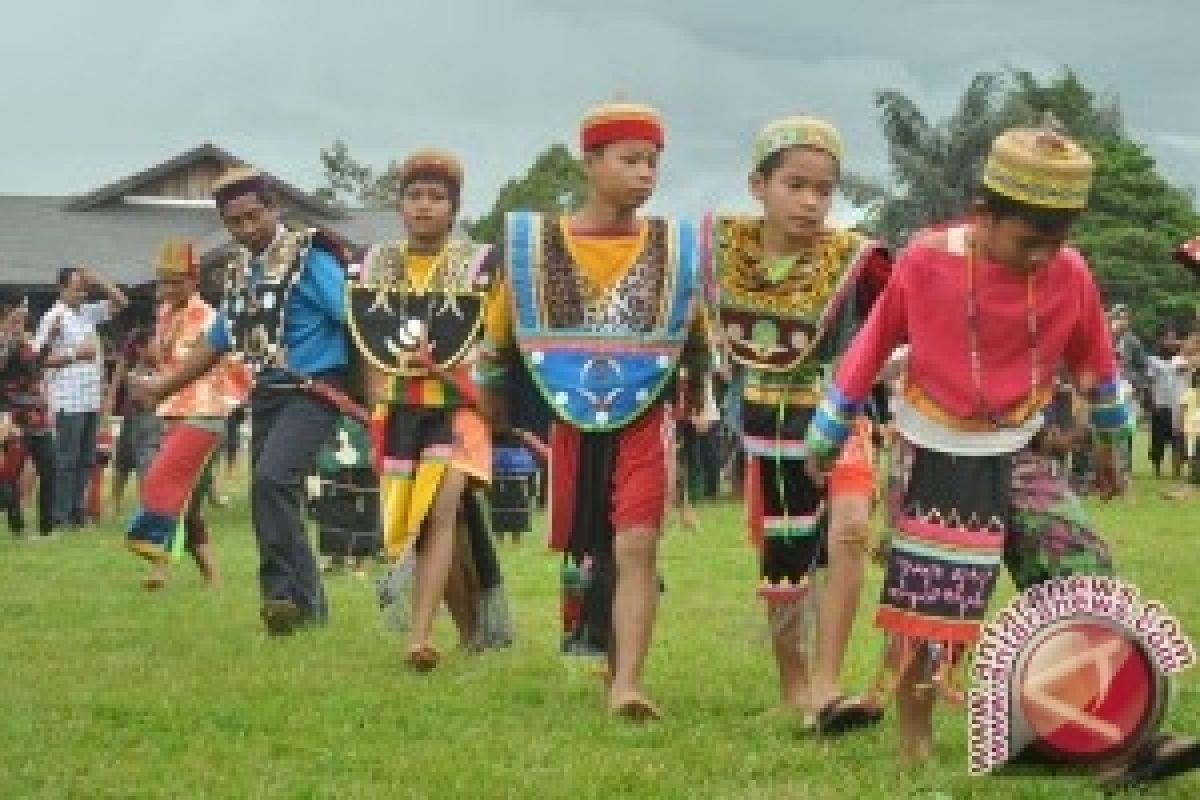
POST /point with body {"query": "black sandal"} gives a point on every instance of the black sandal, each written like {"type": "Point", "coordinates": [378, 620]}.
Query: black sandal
{"type": "Point", "coordinates": [1152, 764]}
{"type": "Point", "coordinates": [842, 715]}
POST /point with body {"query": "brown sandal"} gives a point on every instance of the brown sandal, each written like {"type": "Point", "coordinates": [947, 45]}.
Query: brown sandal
{"type": "Point", "coordinates": [423, 657]}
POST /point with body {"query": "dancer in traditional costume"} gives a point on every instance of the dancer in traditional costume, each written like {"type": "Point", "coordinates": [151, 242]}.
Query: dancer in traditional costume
{"type": "Point", "coordinates": [787, 294]}
{"type": "Point", "coordinates": [284, 317]}
{"type": "Point", "coordinates": [990, 307]}
{"type": "Point", "coordinates": [601, 309]}
{"type": "Point", "coordinates": [176, 480]}
{"type": "Point", "coordinates": [416, 310]}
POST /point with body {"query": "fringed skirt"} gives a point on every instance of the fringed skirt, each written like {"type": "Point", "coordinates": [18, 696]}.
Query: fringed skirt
{"type": "Point", "coordinates": [953, 520]}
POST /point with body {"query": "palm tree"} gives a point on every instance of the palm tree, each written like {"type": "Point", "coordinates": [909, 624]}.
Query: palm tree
{"type": "Point", "coordinates": [935, 166]}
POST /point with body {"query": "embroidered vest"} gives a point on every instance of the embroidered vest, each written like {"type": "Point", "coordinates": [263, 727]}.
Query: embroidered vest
{"type": "Point", "coordinates": [600, 358]}
{"type": "Point", "coordinates": [387, 312]}
{"type": "Point", "coordinates": [255, 306]}
{"type": "Point", "coordinates": [776, 322]}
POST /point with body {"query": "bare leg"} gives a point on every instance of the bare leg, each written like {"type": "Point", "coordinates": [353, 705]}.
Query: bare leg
{"type": "Point", "coordinates": [156, 578]}
{"type": "Point", "coordinates": [791, 658]}
{"type": "Point", "coordinates": [434, 553]}
{"type": "Point", "coordinates": [202, 553]}
{"type": "Point", "coordinates": [635, 601]}
{"type": "Point", "coordinates": [460, 594]}
{"type": "Point", "coordinates": [848, 537]}
{"type": "Point", "coordinates": [914, 712]}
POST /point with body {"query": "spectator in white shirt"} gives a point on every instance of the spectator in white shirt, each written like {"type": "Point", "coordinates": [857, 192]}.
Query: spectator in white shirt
{"type": "Point", "coordinates": [76, 388]}
{"type": "Point", "coordinates": [1168, 380]}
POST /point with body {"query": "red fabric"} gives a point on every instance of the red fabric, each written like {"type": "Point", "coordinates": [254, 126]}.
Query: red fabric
{"type": "Point", "coordinates": [377, 436]}
{"type": "Point", "coordinates": [599, 134]}
{"type": "Point", "coordinates": [639, 483]}
{"type": "Point", "coordinates": [752, 490]}
{"type": "Point", "coordinates": [915, 626]}
{"type": "Point", "coordinates": [1071, 328]}
{"type": "Point", "coordinates": [12, 459]}
{"type": "Point", "coordinates": [872, 279]}
{"type": "Point", "coordinates": [175, 469]}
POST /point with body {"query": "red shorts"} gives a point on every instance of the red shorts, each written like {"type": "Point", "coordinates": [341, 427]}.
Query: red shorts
{"type": "Point", "coordinates": [639, 483]}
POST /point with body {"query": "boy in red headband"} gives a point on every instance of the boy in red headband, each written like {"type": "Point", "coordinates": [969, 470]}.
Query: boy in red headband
{"type": "Point", "coordinates": [602, 315]}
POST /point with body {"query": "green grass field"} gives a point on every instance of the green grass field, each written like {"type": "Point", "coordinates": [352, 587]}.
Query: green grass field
{"type": "Point", "coordinates": [106, 691]}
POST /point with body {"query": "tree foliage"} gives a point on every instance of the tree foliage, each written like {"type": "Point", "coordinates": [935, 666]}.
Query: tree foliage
{"type": "Point", "coordinates": [349, 182]}
{"type": "Point", "coordinates": [555, 181]}
{"type": "Point", "coordinates": [1135, 219]}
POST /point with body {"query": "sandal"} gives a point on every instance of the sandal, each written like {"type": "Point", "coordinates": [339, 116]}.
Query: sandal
{"type": "Point", "coordinates": [423, 657]}
{"type": "Point", "coordinates": [1163, 757]}
{"type": "Point", "coordinates": [843, 715]}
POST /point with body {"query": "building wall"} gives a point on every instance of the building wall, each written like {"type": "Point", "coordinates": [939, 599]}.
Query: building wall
{"type": "Point", "coordinates": [191, 183]}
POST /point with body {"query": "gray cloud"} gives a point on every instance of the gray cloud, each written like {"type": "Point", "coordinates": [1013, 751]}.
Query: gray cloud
{"type": "Point", "coordinates": [95, 91]}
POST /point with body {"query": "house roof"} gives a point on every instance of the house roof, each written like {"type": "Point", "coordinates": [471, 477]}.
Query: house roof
{"type": "Point", "coordinates": [38, 237]}
{"type": "Point", "coordinates": [104, 229]}
{"type": "Point", "coordinates": [207, 152]}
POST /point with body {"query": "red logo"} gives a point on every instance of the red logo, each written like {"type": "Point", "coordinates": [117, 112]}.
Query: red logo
{"type": "Point", "coordinates": [1087, 690]}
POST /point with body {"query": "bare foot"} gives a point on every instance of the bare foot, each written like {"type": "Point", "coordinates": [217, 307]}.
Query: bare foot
{"type": "Point", "coordinates": [422, 657]}
{"type": "Point", "coordinates": [631, 705]}
{"type": "Point", "coordinates": [915, 754]}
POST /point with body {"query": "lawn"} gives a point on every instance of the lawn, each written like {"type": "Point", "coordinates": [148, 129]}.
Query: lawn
{"type": "Point", "coordinates": [106, 691]}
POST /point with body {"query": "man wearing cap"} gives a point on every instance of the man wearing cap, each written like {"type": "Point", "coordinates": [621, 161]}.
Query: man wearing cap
{"type": "Point", "coordinates": [415, 312]}
{"type": "Point", "coordinates": [788, 292]}
{"type": "Point", "coordinates": [990, 308]}
{"type": "Point", "coordinates": [283, 316]}
{"type": "Point", "coordinates": [176, 480]}
{"type": "Point", "coordinates": [602, 314]}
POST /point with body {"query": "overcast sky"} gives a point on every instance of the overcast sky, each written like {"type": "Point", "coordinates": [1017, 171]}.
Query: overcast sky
{"type": "Point", "coordinates": [94, 91]}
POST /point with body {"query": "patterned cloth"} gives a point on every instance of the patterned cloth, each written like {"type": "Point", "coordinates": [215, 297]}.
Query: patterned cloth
{"type": "Point", "coordinates": [172, 485]}
{"type": "Point", "coordinates": [422, 424]}
{"type": "Point", "coordinates": [218, 391]}
{"type": "Point", "coordinates": [79, 386]}
{"type": "Point", "coordinates": [953, 520]}
{"type": "Point", "coordinates": [1071, 329]}
{"type": "Point", "coordinates": [415, 447]}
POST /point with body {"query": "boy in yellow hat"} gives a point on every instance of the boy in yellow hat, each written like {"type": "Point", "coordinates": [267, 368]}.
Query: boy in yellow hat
{"type": "Point", "coordinates": [990, 307]}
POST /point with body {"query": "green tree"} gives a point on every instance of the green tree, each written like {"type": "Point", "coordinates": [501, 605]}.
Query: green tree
{"type": "Point", "coordinates": [554, 182]}
{"type": "Point", "coordinates": [1134, 222]}
{"type": "Point", "coordinates": [1135, 219]}
{"type": "Point", "coordinates": [1086, 115]}
{"type": "Point", "coordinates": [349, 182]}
{"type": "Point", "coordinates": [934, 165]}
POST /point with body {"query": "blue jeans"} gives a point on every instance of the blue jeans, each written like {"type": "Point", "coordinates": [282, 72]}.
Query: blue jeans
{"type": "Point", "coordinates": [75, 455]}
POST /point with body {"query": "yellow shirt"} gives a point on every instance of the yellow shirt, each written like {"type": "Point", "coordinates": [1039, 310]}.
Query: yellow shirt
{"type": "Point", "coordinates": [419, 269]}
